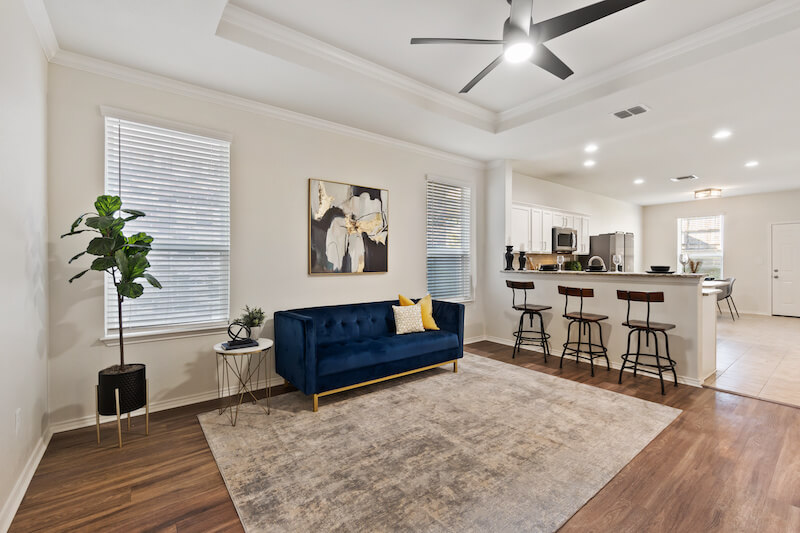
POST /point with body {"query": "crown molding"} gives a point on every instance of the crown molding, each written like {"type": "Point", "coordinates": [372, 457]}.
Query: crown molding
{"type": "Point", "coordinates": [162, 83]}
{"type": "Point", "coordinates": [759, 24]}
{"type": "Point", "coordinates": [264, 35]}
{"type": "Point", "coordinates": [37, 13]}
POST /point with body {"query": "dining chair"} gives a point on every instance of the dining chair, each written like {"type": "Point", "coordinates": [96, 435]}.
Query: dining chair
{"type": "Point", "coordinates": [726, 293]}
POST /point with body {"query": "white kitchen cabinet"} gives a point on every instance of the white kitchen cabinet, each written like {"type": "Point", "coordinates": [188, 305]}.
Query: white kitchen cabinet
{"type": "Point", "coordinates": [583, 235]}
{"type": "Point", "coordinates": [521, 227]}
{"type": "Point", "coordinates": [547, 231]}
{"type": "Point", "coordinates": [532, 228]}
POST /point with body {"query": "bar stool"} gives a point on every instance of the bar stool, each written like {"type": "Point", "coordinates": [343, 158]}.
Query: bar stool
{"type": "Point", "coordinates": [528, 336]}
{"type": "Point", "coordinates": [647, 327]}
{"type": "Point", "coordinates": [585, 322]}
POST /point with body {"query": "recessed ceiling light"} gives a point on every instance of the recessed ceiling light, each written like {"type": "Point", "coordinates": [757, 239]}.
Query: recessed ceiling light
{"type": "Point", "coordinates": [638, 181]}
{"type": "Point", "coordinates": [590, 148]}
{"type": "Point", "coordinates": [722, 134]}
{"type": "Point", "coordinates": [589, 163]}
{"type": "Point", "coordinates": [751, 164]}
{"type": "Point", "coordinates": [707, 193]}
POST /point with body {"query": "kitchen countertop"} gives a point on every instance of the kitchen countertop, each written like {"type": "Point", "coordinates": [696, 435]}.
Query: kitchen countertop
{"type": "Point", "coordinates": [698, 277]}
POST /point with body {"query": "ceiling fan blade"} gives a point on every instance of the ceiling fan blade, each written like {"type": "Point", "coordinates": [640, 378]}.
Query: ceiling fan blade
{"type": "Point", "coordinates": [556, 26]}
{"type": "Point", "coordinates": [434, 40]}
{"type": "Point", "coordinates": [543, 57]}
{"type": "Point", "coordinates": [490, 67]}
{"type": "Point", "coordinates": [521, 14]}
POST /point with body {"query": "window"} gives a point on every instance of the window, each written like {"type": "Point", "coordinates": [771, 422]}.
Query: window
{"type": "Point", "coordinates": [701, 239]}
{"type": "Point", "coordinates": [449, 241]}
{"type": "Point", "coordinates": [182, 182]}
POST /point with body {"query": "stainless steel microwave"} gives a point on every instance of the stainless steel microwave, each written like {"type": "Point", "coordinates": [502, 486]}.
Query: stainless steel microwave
{"type": "Point", "coordinates": [565, 240]}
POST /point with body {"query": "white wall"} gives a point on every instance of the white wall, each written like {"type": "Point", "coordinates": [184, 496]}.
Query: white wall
{"type": "Point", "coordinates": [271, 161]}
{"type": "Point", "coordinates": [503, 187]}
{"type": "Point", "coordinates": [23, 270]}
{"type": "Point", "coordinates": [607, 214]}
{"type": "Point", "coordinates": [746, 239]}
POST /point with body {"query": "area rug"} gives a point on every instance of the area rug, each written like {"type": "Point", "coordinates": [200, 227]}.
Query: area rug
{"type": "Point", "coordinates": [494, 447]}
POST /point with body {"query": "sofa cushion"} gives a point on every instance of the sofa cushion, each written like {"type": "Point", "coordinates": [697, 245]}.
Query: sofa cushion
{"type": "Point", "coordinates": [362, 352]}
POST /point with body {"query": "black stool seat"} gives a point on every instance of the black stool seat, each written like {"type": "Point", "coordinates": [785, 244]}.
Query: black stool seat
{"type": "Point", "coordinates": [583, 347]}
{"type": "Point", "coordinates": [534, 337]}
{"type": "Point", "coordinates": [585, 317]}
{"type": "Point", "coordinates": [642, 324]}
{"type": "Point", "coordinates": [660, 362]}
{"type": "Point", "coordinates": [532, 307]}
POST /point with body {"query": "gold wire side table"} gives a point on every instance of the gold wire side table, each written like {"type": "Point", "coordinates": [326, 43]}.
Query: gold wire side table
{"type": "Point", "coordinates": [243, 365]}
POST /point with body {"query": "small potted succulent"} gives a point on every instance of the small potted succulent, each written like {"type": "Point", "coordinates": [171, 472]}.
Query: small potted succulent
{"type": "Point", "coordinates": [125, 260]}
{"type": "Point", "coordinates": [253, 319]}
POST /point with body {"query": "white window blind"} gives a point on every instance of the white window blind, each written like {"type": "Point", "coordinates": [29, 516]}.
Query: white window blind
{"type": "Point", "coordinates": [182, 182]}
{"type": "Point", "coordinates": [449, 241]}
{"type": "Point", "coordinates": [701, 239]}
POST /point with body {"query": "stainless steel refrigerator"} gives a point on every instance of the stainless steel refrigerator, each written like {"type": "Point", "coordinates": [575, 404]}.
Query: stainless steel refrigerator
{"type": "Point", "coordinates": [608, 244]}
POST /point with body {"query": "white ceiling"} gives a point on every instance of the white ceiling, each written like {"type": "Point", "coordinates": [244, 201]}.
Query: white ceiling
{"type": "Point", "coordinates": [699, 65]}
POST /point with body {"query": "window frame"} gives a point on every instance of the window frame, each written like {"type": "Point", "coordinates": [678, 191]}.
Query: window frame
{"type": "Point", "coordinates": [455, 182]}
{"type": "Point", "coordinates": [136, 335]}
{"type": "Point", "coordinates": [721, 217]}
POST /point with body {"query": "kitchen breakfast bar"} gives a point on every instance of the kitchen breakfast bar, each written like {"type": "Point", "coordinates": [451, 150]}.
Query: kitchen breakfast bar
{"type": "Point", "coordinates": [687, 305]}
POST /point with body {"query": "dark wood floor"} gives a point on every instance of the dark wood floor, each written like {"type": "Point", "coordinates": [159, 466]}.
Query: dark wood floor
{"type": "Point", "coordinates": [728, 463]}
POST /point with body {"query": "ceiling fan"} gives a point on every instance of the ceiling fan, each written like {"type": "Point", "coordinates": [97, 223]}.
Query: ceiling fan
{"type": "Point", "coordinates": [523, 39]}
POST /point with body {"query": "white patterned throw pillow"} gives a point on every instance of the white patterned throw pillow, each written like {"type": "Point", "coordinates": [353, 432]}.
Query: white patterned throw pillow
{"type": "Point", "coordinates": [408, 318]}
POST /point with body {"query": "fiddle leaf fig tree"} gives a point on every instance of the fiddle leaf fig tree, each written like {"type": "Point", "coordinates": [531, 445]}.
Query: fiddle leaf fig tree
{"type": "Point", "coordinates": [124, 258]}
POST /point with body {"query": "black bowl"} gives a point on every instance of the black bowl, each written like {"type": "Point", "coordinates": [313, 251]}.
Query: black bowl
{"type": "Point", "coordinates": [548, 268]}
{"type": "Point", "coordinates": [660, 268]}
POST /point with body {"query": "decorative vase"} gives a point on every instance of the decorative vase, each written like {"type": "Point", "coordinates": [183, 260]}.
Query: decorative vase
{"type": "Point", "coordinates": [132, 385]}
{"type": "Point", "coordinates": [509, 258]}
{"type": "Point", "coordinates": [521, 260]}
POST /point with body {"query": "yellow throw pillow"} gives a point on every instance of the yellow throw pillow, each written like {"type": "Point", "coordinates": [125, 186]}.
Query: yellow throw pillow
{"type": "Point", "coordinates": [427, 310]}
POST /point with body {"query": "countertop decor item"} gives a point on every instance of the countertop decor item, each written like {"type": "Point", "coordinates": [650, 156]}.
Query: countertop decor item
{"type": "Point", "coordinates": [121, 388]}
{"type": "Point", "coordinates": [522, 261]}
{"type": "Point", "coordinates": [509, 258]}
{"type": "Point", "coordinates": [348, 228]}
{"type": "Point", "coordinates": [694, 266]}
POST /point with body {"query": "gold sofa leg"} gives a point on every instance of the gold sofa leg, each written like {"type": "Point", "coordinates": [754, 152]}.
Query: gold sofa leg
{"type": "Point", "coordinates": [455, 366]}
{"type": "Point", "coordinates": [316, 403]}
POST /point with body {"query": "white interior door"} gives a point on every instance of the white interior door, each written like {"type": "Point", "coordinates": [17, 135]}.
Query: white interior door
{"type": "Point", "coordinates": [786, 269]}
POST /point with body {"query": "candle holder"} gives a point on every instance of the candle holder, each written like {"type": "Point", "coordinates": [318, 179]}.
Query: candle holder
{"type": "Point", "coordinates": [522, 260]}
{"type": "Point", "coordinates": [509, 258]}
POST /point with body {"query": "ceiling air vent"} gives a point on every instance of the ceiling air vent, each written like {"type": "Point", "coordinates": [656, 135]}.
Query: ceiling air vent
{"type": "Point", "coordinates": [690, 177]}
{"type": "Point", "coordinates": [632, 111]}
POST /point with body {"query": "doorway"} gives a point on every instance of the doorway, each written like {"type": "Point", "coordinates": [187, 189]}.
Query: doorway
{"type": "Point", "coordinates": [786, 269]}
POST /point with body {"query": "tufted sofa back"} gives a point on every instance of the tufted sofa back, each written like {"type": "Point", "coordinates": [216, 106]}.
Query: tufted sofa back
{"type": "Point", "coordinates": [339, 323]}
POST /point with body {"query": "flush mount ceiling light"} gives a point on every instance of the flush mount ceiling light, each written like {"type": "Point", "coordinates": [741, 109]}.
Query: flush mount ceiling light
{"type": "Point", "coordinates": [591, 148]}
{"type": "Point", "coordinates": [751, 164]}
{"type": "Point", "coordinates": [638, 181]}
{"type": "Point", "coordinates": [722, 134]}
{"type": "Point", "coordinates": [589, 163]}
{"type": "Point", "coordinates": [707, 193]}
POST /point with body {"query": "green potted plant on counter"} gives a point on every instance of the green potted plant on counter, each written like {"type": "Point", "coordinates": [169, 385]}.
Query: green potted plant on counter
{"type": "Point", "coordinates": [253, 319]}
{"type": "Point", "coordinates": [125, 260]}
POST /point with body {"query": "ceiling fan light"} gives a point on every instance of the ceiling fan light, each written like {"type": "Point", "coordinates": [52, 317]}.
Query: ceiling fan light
{"type": "Point", "coordinates": [518, 52]}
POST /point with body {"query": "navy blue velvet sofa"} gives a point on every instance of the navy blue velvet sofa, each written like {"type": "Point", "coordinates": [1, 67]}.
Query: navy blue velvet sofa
{"type": "Point", "coordinates": [323, 350]}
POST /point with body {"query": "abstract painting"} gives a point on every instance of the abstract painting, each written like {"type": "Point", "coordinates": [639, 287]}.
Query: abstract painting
{"type": "Point", "coordinates": [348, 228]}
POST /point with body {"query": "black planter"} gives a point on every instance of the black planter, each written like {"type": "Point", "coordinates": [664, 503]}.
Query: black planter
{"type": "Point", "coordinates": [132, 387]}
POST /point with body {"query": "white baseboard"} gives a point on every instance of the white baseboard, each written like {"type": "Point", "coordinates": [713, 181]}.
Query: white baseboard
{"type": "Point", "coordinates": [161, 405]}
{"type": "Point", "coordinates": [21, 486]}
{"type": "Point", "coordinates": [684, 380]}
{"type": "Point", "coordinates": [473, 340]}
